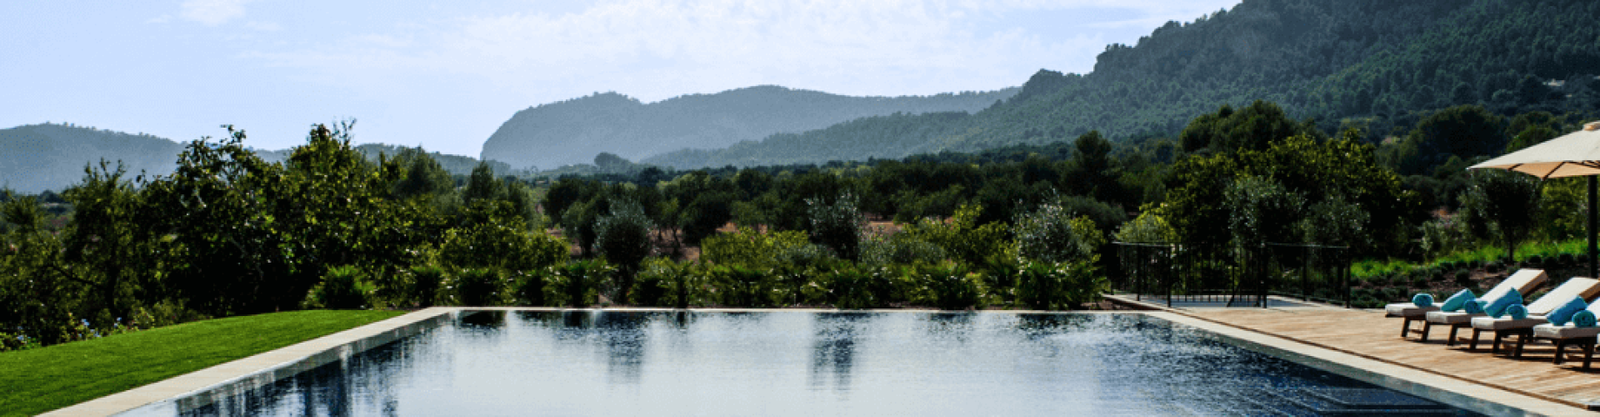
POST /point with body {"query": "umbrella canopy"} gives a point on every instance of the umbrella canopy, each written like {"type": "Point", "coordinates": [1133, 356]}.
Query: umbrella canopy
{"type": "Point", "coordinates": [1575, 154]}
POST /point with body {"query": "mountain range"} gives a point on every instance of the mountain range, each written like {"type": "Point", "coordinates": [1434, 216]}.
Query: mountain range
{"type": "Point", "coordinates": [575, 131]}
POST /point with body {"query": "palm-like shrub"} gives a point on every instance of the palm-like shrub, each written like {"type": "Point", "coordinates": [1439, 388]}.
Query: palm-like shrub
{"type": "Point", "coordinates": [481, 287]}
{"type": "Point", "coordinates": [342, 288]}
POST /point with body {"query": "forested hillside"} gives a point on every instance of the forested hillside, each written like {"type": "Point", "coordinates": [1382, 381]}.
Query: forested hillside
{"type": "Point", "coordinates": [1376, 65]}
{"type": "Point", "coordinates": [52, 157]}
{"type": "Point", "coordinates": [574, 131]}
{"type": "Point", "coordinates": [48, 156]}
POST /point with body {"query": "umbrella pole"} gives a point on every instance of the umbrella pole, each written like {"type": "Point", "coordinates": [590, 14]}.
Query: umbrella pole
{"type": "Point", "coordinates": [1594, 270]}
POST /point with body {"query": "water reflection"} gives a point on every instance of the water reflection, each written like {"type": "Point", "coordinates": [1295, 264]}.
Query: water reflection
{"type": "Point", "coordinates": [833, 348]}
{"type": "Point", "coordinates": [593, 362]}
{"type": "Point", "coordinates": [625, 339]}
{"type": "Point", "coordinates": [336, 389]}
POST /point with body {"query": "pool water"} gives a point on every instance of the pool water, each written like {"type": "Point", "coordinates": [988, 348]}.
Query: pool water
{"type": "Point", "coordinates": [581, 363]}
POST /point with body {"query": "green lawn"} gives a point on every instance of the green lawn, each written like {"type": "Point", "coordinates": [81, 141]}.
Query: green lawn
{"type": "Point", "coordinates": [38, 380]}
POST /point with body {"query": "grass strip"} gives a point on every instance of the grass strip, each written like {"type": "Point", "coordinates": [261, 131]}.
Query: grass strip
{"type": "Point", "coordinates": [38, 380]}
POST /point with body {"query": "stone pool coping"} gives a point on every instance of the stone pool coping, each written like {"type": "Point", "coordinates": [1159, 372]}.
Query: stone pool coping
{"type": "Point", "coordinates": [261, 369]}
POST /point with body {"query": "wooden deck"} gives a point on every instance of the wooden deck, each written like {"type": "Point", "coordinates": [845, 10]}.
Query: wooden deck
{"type": "Point", "coordinates": [1367, 333]}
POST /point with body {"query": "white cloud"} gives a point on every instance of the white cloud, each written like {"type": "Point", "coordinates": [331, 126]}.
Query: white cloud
{"type": "Point", "coordinates": [212, 12]}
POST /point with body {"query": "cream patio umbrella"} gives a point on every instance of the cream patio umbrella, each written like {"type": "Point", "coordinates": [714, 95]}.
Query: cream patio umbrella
{"type": "Point", "coordinates": [1572, 155]}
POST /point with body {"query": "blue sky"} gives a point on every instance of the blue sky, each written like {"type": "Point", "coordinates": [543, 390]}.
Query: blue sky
{"type": "Point", "coordinates": [445, 74]}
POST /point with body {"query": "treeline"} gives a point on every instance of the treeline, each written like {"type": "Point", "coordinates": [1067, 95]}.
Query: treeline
{"type": "Point", "coordinates": [1377, 66]}
{"type": "Point", "coordinates": [1024, 227]}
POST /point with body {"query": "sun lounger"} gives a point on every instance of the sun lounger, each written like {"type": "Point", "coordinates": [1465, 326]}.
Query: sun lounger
{"type": "Point", "coordinates": [1524, 281]}
{"type": "Point", "coordinates": [1570, 334]}
{"type": "Point", "coordinates": [1410, 312]}
{"type": "Point", "coordinates": [1587, 288]}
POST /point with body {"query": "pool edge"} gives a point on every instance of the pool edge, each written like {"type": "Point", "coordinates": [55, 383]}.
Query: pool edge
{"type": "Point", "coordinates": [265, 367]}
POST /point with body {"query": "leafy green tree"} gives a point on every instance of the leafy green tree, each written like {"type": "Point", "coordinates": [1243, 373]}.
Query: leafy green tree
{"type": "Point", "coordinates": [623, 238]}
{"type": "Point", "coordinates": [1502, 204]}
{"type": "Point", "coordinates": [1261, 211]}
{"type": "Point", "coordinates": [221, 213]}
{"type": "Point", "coordinates": [1052, 234]}
{"type": "Point", "coordinates": [837, 226]}
{"type": "Point", "coordinates": [107, 239]}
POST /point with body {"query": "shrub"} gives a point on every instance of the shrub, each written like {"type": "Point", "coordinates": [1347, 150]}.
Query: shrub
{"type": "Point", "coordinates": [1566, 259]}
{"type": "Point", "coordinates": [949, 286]}
{"type": "Point", "coordinates": [342, 288]}
{"type": "Point", "coordinates": [752, 248]}
{"type": "Point", "coordinates": [664, 282]}
{"type": "Point", "coordinates": [528, 287]}
{"type": "Point", "coordinates": [1536, 260]}
{"type": "Point", "coordinates": [1061, 285]}
{"type": "Point", "coordinates": [1051, 234]}
{"type": "Point", "coordinates": [578, 282]}
{"type": "Point", "coordinates": [740, 286]}
{"type": "Point", "coordinates": [899, 249]}
{"type": "Point", "coordinates": [481, 287]}
{"type": "Point", "coordinates": [425, 282]}
{"type": "Point", "coordinates": [1463, 277]}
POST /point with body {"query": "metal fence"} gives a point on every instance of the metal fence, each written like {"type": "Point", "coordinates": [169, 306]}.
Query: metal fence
{"type": "Point", "coordinates": [1220, 273]}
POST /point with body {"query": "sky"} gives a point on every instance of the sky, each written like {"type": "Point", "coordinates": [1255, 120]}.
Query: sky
{"type": "Point", "coordinates": [445, 74]}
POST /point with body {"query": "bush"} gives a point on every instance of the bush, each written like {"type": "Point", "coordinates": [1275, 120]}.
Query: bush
{"type": "Point", "coordinates": [528, 287]}
{"type": "Point", "coordinates": [1062, 285]}
{"type": "Point", "coordinates": [899, 249]}
{"type": "Point", "coordinates": [481, 287]}
{"type": "Point", "coordinates": [1566, 259]}
{"type": "Point", "coordinates": [664, 282]}
{"type": "Point", "coordinates": [1051, 234]}
{"type": "Point", "coordinates": [740, 286]}
{"type": "Point", "coordinates": [1463, 277]}
{"type": "Point", "coordinates": [577, 283]}
{"type": "Point", "coordinates": [342, 288]}
{"type": "Point", "coordinates": [1536, 260]}
{"type": "Point", "coordinates": [425, 282]}
{"type": "Point", "coordinates": [752, 248]}
{"type": "Point", "coordinates": [949, 286]}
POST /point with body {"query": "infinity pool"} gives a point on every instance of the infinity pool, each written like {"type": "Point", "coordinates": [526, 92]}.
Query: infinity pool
{"type": "Point", "coordinates": [581, 363]}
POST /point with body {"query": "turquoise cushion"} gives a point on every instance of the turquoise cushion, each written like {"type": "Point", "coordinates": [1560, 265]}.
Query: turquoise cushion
{"type": "Point", "coordinates": [1517, 312]}
{"type": "Point", "coordinates": [1423, 300]}
{"type": "Point", "coordinates": [1474, 306]}
{"type": "Point", "coordinates": [1497, 307]}
{"type": "Point", "coordinates": [1583, 318]}
{"type": "Point", "coordinates": [1458, 301]}
{"type": "Point", "coordinates": [1563, 314]}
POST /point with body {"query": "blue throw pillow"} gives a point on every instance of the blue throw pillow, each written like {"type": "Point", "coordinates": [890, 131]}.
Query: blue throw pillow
{"type": "Point", "coordinates": [1423, 300]}
{"type": "Point", "coordinates": [1458, 301]}
{"type": "Point", "coordinates": [1517, 312]}
{"type": "Point", "coordinates": [1474, 306]}
{"type": "Point", "coordinates": [1584, 318]}
{"type": "Point", "coordinates": [1563, 314]}
{"type": "Point", "coordinates": [1497, 307]}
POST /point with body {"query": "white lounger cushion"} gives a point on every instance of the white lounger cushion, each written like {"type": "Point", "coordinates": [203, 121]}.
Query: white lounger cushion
{"type": "Point", "coordinates": [1587, 288]}
{"type": "Point", "coordinates": [1506, 322]}
{"type": "Point", "coordinates": [1448, 317]}
{"type": "Point", "coordinates": [1408, 310]}
{"type": "Point", "coordinates": [1551, 331]}
{"type": "Point", "coordinates": [1575, 287]}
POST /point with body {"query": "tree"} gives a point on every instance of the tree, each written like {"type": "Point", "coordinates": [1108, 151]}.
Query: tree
{"type": "Point", "coordinates": [220, 213]}
{"type": "Point", "coordinates": [837, 226]}
{"type": "Point", "coordinates": [1261, 211]}
{"type": "Point", "coordinates": [623, 238]}
{"type": "Point", "coordinates": [107, 239]}
{"type": "Point", "coordinates": [1501, 203]}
